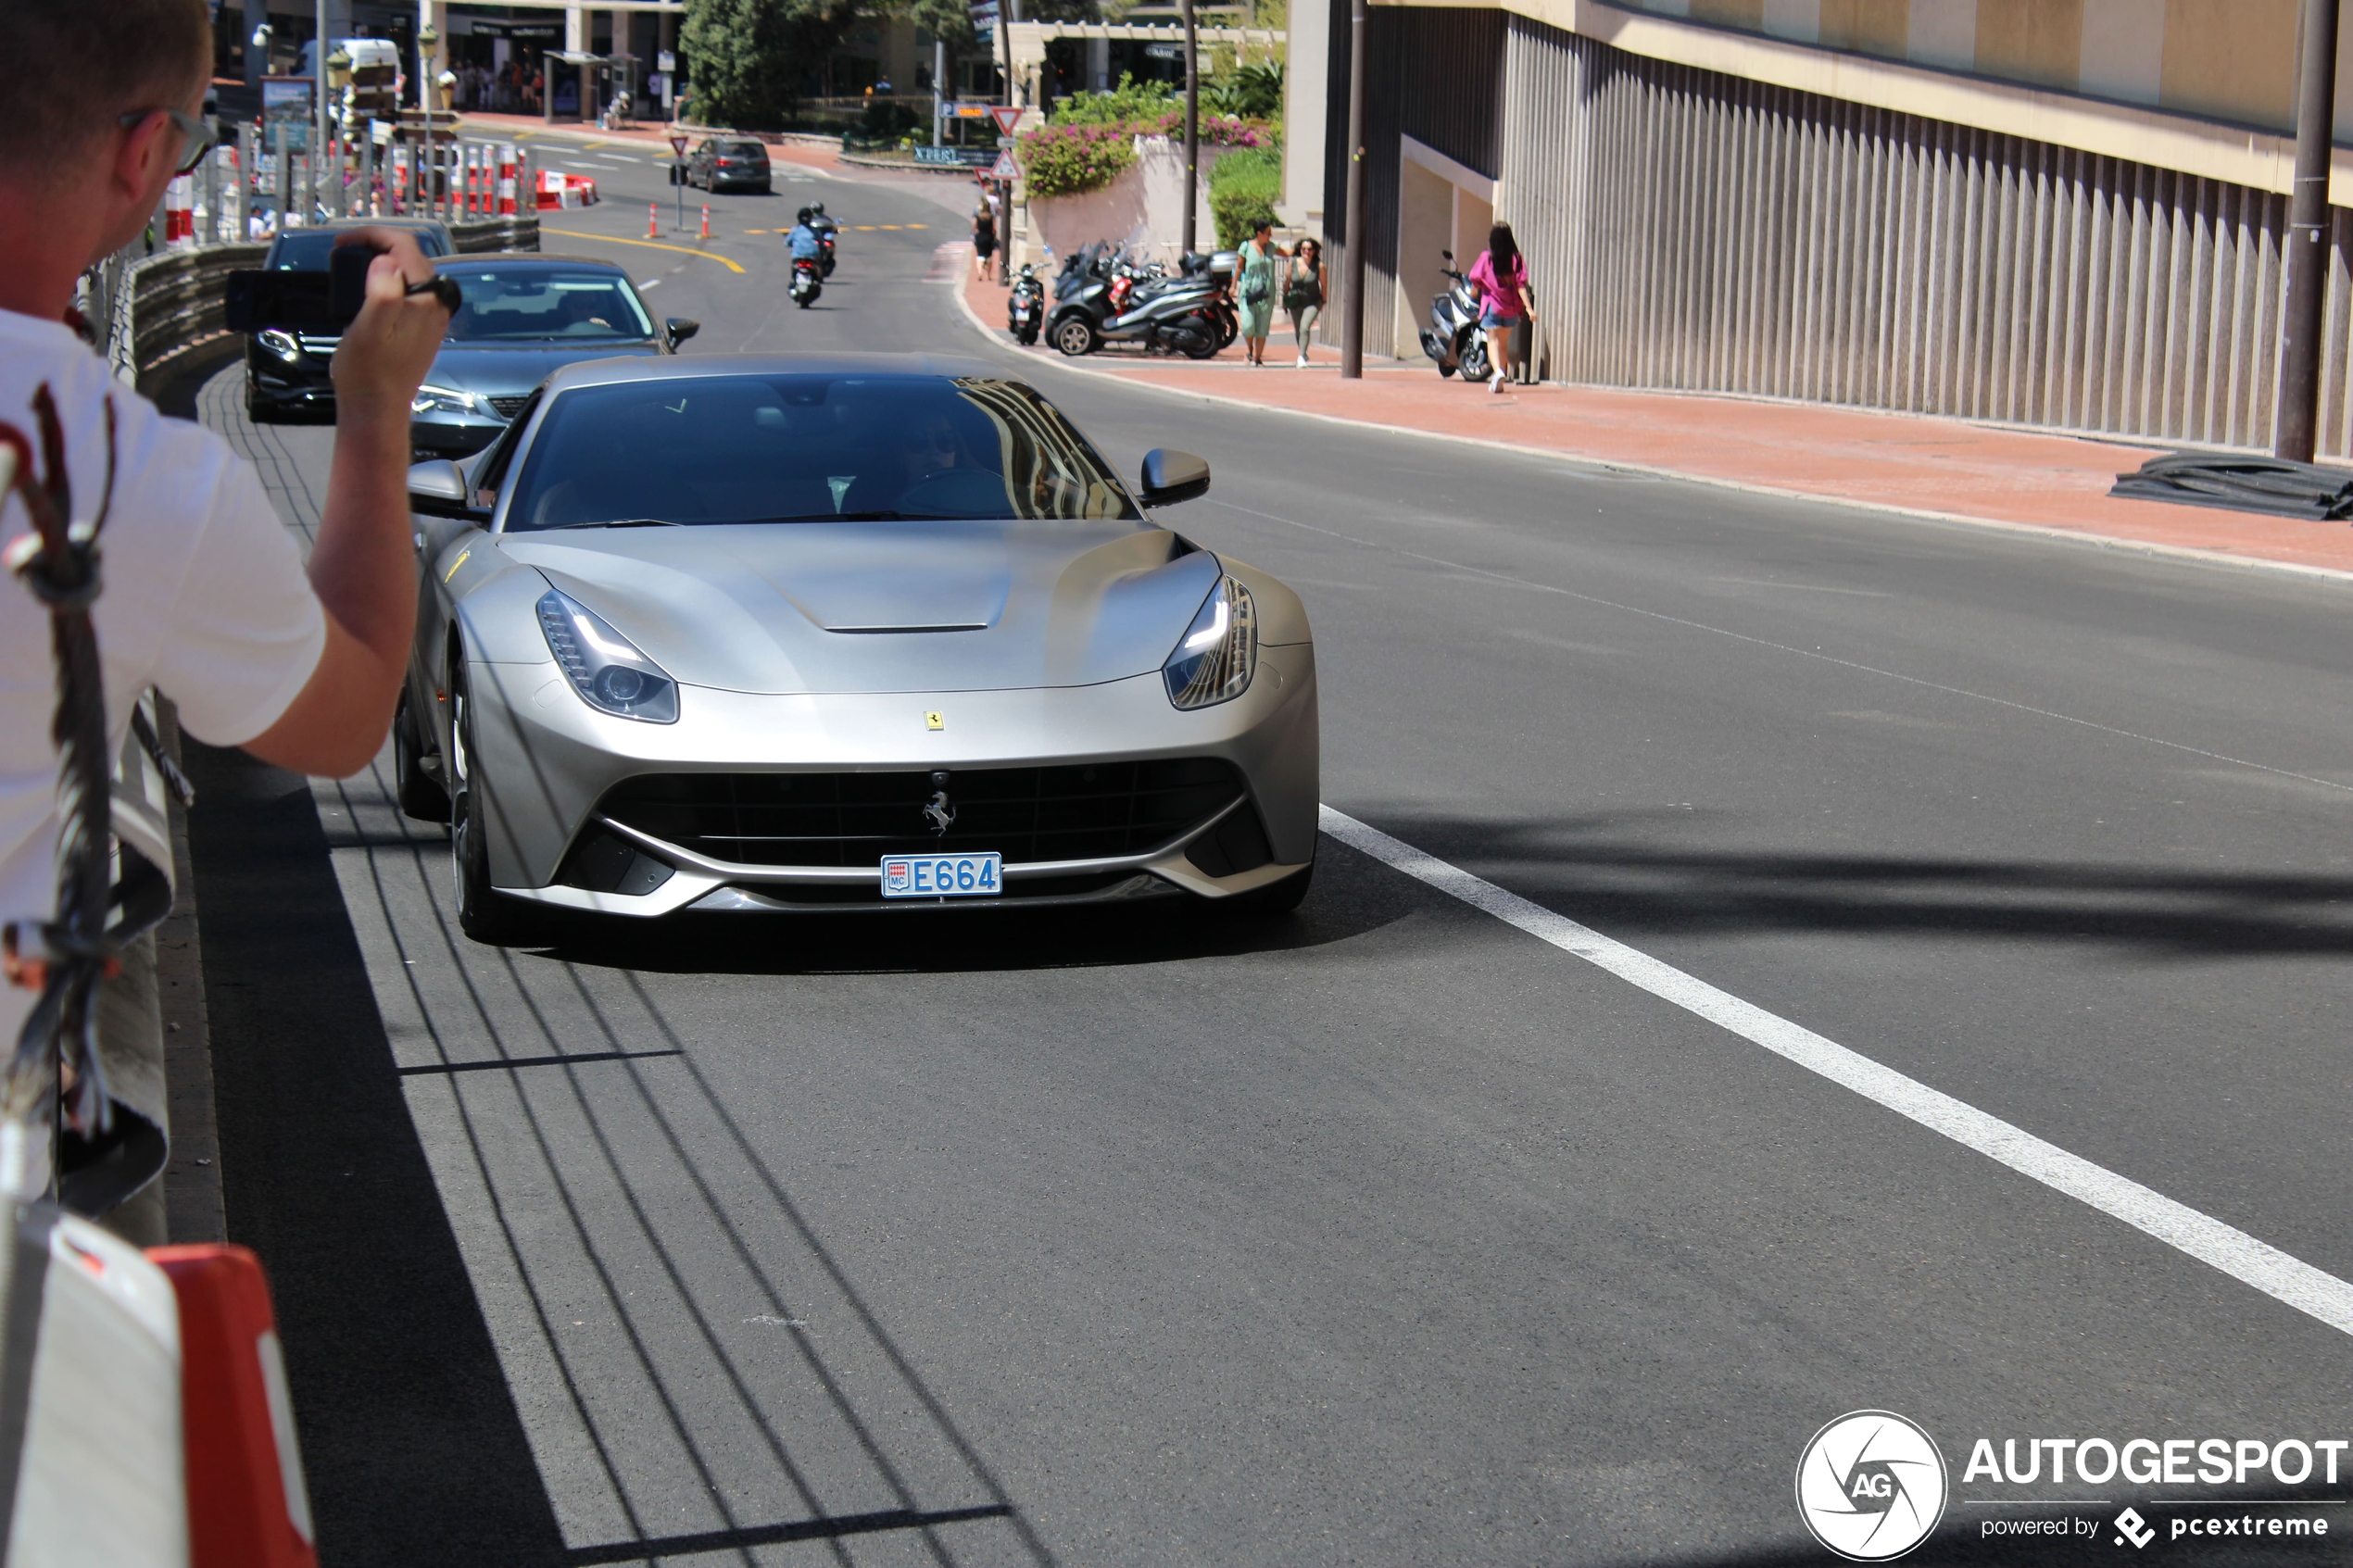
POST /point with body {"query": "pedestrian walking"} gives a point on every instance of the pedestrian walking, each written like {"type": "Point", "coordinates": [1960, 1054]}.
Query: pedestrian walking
{"type": "Point", "coordinates": [1500, 276]}
{"type": "Point", "coordinates": [1304, 290]}
{"type": "Point", "coordinates": [984, 236]}
{"type": "Point", "coordinates": [1255, 286]}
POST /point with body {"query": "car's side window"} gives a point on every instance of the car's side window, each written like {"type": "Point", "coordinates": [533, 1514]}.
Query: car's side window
{"type": "Point", "coordinates": [492, 471]}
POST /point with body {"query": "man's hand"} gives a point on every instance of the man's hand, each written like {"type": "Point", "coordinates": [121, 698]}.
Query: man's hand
{"type": "Point", "coordinates": [385, 353]}
{"type": "Point", "coordinates": [362, 565]}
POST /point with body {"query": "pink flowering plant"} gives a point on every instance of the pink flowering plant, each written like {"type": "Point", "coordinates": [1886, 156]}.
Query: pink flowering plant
{"type": "Point", "coordinates": [1069, 160]}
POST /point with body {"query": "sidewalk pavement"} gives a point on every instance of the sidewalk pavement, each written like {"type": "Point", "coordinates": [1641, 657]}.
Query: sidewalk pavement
{"type": "Point", "coordinates": [1907, 463]}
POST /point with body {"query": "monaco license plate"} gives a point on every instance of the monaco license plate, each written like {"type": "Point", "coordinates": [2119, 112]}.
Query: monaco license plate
{"type": "Point", "coordinates": [942, 876]}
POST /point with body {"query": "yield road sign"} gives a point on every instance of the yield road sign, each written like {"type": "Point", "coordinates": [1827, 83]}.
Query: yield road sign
{"type": "Point", "coordinates": [678, 146]}
{"type": "Point", "coordinates": [1006, 116]}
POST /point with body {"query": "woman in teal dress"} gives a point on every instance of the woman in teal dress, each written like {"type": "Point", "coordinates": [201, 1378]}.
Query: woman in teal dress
{"type": "Point", "coordinates": [1254, 289]}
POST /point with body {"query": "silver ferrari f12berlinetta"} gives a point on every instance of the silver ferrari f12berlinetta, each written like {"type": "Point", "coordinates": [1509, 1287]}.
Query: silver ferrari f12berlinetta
{"type": "Point", "coordinates": [754, 632]}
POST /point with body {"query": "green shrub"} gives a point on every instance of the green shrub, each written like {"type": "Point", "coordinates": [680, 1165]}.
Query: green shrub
{"type": "Point", "coordinates": [1131, 100]}
{"type": "Point", "coordinates": [1243, 186]}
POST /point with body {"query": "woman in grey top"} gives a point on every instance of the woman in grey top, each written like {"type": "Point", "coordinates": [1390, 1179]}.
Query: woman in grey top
{"type": "Point", "coordinates": [1304, 290]}
{"type": "Point", "coordinates": [1254, 289]}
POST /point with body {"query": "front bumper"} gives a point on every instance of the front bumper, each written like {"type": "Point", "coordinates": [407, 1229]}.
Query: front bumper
{"type": "Point", "coordinates": [546, 761]}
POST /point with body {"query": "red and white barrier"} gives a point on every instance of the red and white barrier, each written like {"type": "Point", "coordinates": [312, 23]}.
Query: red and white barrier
{"type": "Point", "coordinates": [557, 189]}
{"type": "Point", "coordinates": [507, 181]}
{"type": "Point", "coordinates": [248, 1506]}
{"type": "Point", "coordinates": [180, 212]}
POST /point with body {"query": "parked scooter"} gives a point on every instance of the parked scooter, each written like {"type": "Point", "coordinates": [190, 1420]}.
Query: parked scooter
{"type": "Point", "coordinates": [806, 281]}
{"type": "Point", "coordinates": [1100, 298]}
{"type": "Point", "coordinates": [827, 229]}
{"type": "Point", "coordinates": [1453, 337]}
{"type": "Point", "coordinates": [1025, 312]}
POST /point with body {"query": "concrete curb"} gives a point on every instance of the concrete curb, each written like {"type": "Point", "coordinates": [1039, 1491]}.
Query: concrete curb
{"type": "Point", "coordinates": [1913, 514]}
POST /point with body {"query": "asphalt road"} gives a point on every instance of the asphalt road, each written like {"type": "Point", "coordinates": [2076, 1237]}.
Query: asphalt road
{"type": "Point", "coordinates": [1385, 1233]}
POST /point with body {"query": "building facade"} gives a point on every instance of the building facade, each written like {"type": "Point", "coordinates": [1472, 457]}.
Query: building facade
{"type": "Point", "coordinates": [2065, 213]}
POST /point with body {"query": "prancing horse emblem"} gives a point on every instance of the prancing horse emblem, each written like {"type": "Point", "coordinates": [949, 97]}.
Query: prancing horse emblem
{"type": "Point", "coordinates": [939, 814]}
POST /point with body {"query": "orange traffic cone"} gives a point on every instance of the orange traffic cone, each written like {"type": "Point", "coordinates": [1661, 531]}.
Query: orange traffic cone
{"type": "Point", "coordinates": [247, 1507]}
{"type": "Point", "coordinates": [653, 220]}
{"type": "Point", "coordinates": [706, 222]}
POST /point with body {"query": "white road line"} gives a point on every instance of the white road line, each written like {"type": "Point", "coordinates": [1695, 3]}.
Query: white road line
{"type": "Point", "coordinates": [2243, 1258]}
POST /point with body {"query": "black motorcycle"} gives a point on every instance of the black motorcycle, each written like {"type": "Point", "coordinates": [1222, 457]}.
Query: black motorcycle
{"type": "Point", "coordinates": [1453, 337]}
{"type": "Point", "coordinates": [826, 230]}
{"type": "Point", "coordinates": [1175, 315]}
{"type": "Point", "coordinates": [807, 281]}
{"type": "Point", "coordinates": [1025, 312]}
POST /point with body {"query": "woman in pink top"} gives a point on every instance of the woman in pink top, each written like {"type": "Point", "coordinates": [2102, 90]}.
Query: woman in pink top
{"type": "Point", "coordinates": [1500, 276]}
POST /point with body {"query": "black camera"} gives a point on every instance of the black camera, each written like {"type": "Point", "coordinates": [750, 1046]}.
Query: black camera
{"type": "Point", "coordinates": [320, 303]}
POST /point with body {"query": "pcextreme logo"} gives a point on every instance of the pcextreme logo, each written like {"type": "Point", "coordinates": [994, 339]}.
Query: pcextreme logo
{"type": "Point", "coordinates": [1871, 1485]}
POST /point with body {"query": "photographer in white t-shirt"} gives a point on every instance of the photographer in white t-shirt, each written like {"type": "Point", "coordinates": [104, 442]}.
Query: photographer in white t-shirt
{"type": "Point", "coordinates": [205, 595]}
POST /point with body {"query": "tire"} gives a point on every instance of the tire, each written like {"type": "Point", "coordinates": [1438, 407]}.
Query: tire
{"type": "Point", "coordinates": [1205, 349]}
{"type": "Point", "coordinates": [1280, 897]}
{"type": "Point", "coordinates": [482, 913]}
{"type": "Point", "coordinates": [1475, 366]}
{"type": "Point", "coordinates": [419, 794]}
{"type": "Point", "coordinates": [1075, 336]}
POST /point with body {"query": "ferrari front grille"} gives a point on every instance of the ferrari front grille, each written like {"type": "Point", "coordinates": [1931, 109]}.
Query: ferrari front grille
{"type": "Point", "coordinates": [1085, 811]}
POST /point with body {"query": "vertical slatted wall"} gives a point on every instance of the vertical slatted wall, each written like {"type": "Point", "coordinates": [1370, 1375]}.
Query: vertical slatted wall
{"type": "Point", "coordinates": [1688, 230]}
{"type": "Point", "coordinates": [1434, 74]}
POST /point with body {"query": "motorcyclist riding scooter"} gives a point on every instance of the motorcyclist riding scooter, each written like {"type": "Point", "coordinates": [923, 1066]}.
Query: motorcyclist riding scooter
{"type": "Point", "coordinates": [807, 259]}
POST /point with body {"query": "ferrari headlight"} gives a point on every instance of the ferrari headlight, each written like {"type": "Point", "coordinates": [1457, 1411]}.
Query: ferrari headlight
{"type": "Point", "coordinates": [282, 343]}
{"type": "Point", "coordinates": [431, 399]}
{"type": "Point", "coordinates": [1214, 661]}
{"type": "Point", "coordinates": [604, 667]}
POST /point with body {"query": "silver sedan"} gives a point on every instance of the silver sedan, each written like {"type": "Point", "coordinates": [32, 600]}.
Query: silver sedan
{"type": "Point", "coordinates": [755, 633]}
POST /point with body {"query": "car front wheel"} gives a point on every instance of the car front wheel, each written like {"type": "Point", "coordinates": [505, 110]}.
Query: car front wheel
{"type": "Point", "coordinates": [482, 913]}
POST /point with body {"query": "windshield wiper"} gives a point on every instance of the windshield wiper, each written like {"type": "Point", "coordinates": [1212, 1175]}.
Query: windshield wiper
{"type": "Point", "coordinates": [618, 523]}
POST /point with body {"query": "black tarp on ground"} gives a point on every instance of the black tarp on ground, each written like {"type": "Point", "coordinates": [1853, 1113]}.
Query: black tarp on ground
{"type": "Point", "coordinates": [2242, 485]}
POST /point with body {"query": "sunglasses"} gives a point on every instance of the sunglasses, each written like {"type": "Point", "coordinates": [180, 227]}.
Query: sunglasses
{"type": "Point", "coordinates": [201, 136]}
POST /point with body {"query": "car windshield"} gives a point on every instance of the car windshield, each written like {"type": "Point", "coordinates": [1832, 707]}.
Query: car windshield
{"type": "Point", "coordinates": [535, 304]}
{"type": "Point", "coordinates": [808, 449]}
{"type": "Point", "coordinates": [307, 250]}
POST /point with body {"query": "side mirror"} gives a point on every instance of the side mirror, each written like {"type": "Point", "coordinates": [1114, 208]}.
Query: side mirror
{"type": "Point", "coordinates": [678, 330]}
{"type": "Point", "coordinates": [1171, 477]}
{"type": "Point", "coordinates": [437, 488]}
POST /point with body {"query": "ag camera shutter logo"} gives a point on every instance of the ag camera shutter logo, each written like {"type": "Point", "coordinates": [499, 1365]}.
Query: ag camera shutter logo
{"type": "Point", "coordinates": [1871, 1485]}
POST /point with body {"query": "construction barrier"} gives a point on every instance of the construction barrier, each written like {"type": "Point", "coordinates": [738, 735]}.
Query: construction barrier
{"type": "Point", "coordinates": [507, 181]}
{"type": "Point", "coordinates": [557, 189]}
{"type": "Point", "coordinates": [248, 1506]}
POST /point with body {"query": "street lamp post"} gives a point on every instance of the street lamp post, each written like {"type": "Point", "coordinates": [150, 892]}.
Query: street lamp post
{"type": "Point", "coordinates": [338, 74]}
{"type": "Point", "coordinates": [319, 99]}
{"type": "Point", "coordinates": [1192, 128]}
{"type": "Point", "coordinates": [428, 41]}
{"type": "Point", "coordinates": [1352, 315]}
{"type": "Point", "coordinates": [2307, 248]}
